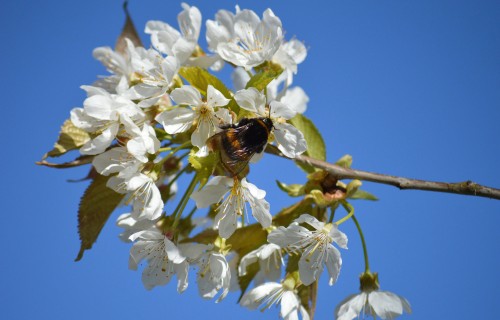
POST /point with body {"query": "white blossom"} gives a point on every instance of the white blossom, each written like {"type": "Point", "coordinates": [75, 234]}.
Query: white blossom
{"type": "Point", "coordinates": [270, 261]}
{"type": "Point", "coordinates": [314, 246]}
{"type": "Point", "coordinates": [382, 304]}
{"type": "Point", "coordinates": [214, 275]}
{"type": "Point", "coordinates": [244, 39]}
{"type": "Point", "coordinates": [143, 142]}
{"type": "Point", "coordinates": [103, 113]}
{"type": "Point", "coordinates": [289, 55]}
{"type": "Point", "coordinates": [163, 258]}
{"type": "Point", "coordinates": [271, 293]}
{"type": "Point", "coordinates": [141, 190]}
{"type": "Point", "coordinates": [290, 140]}
{"type": "Point", "coordinates": [169, 41]}
{"type": "Point", "coordinates": [123, 66]}
{"type": "Point", "coordinates": [202, 113]}
{"type": "Point", "coordinates": [116, 160]}
{"type": "Point", "coordinates": [234, 195]}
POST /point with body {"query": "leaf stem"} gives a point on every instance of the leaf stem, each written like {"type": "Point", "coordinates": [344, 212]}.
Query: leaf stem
{"type": "Point", "coordinates": [182, 204]}
{"type": "Point", "coordinates": [349, 208]}
{"type": "Point", "coordinates": [363, 242]}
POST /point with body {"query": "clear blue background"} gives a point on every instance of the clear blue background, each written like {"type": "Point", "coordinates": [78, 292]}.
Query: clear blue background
{"type": "Point", "coordinates": [406, 87]}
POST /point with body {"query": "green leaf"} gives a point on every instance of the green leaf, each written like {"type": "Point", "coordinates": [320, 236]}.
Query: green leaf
{"type": "Point", "coordinates": [364, 195]}
{"type": "Point", "coordinates": [293, 190]}
{"type": "Point", "coordinates": [260, 80]}
{"type": "Point", "coordinates": [315, 144]}
{"type": "Point", "coordinates": [201, 78]}
{"type": "Point", "coordinates": [204, 166]}
{"type": "Point", "coordinates": [96, 205]}
{"type": "Point", "coordinates": [70, 138]}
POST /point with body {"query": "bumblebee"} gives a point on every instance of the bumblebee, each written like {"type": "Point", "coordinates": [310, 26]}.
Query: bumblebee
{"type": "Point", "coordinates": [237, 143]}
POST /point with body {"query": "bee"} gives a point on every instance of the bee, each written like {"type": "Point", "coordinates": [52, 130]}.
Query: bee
{"type": "Point", "coordinates": [237, 143]}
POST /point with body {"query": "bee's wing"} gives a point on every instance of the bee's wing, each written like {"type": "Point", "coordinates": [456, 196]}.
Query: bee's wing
{"type": "Point", "coordinates": [234, 153]}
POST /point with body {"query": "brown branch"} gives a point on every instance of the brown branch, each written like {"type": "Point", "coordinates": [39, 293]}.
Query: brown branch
{"type": "Point", "coordinates": [467, 187]}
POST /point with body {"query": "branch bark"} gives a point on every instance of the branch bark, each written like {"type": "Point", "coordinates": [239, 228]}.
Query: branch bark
{"type": "Point", "coordinates": [466, 187]}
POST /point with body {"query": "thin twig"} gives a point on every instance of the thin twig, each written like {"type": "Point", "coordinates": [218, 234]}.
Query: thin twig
{"type": "Point", "coordinates": [467, 187]}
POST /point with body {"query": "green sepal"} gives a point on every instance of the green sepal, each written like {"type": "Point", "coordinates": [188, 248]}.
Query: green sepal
{"type": "Point", "coordinates": [364, 195]}
{"type": "Point", "coordinates": [352, 187]}
{"type": "Point", "coordinates": [293, 190]}
{"type": "Point", "coordinates": [319, 198]}
{"type": "Point", "coordinates": [345, 161]}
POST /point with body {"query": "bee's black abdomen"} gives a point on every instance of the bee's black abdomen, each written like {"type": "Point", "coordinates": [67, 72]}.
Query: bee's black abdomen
{"type": "Point", "coordinates": [246, 138]}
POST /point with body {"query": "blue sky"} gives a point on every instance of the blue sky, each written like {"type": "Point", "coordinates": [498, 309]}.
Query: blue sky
{"type": "Point", "coordinates": [406, 87]}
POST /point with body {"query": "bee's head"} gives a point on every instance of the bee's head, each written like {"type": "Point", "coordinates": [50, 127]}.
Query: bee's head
{"type": "Point", "coordinates": [268, 122]}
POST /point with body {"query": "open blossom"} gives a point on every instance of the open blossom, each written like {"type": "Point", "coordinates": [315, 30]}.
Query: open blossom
{"type": "Point", "coordinates": [270, 261]}
{"type": "Point", "coordinates": [143, 142]}
{"type": "Point", "coordinates": [235, 195]}
{"type": "Point", "coordinates": [382, 304]}
{"type": "Point", "coordinates": [163, 258]}
{"type": "Point", "coordinates": [214, 275]}
{"type": "Point", "coordinates": [289, 55]}
{"type": "Point", "coordinates": [290, 140]}
{"type": "Point", "coordinates": [202, 113]}
{"type": "Point", "coordinates": [123, 66]}
{"type": "Point", "coordinates": [141, 190]}
{"type": "Point", "coordinates": [271, 293]}
{"type": "Point", "coordinates": [169, 41]}
{"type": "Point", "coordinates": [116, 160]}
{"type": "Point", "coordinates": [104, 113]}
{"type": "Point", "coordinates": [315, 247]}
{"type": "Point", "coordinates": [151, 85]}
{"type": "Point", "coordinates": [244, 39]}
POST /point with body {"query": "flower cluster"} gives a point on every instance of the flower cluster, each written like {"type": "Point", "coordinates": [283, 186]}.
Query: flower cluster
{"type": "Point", "coordinates": [161, 114]}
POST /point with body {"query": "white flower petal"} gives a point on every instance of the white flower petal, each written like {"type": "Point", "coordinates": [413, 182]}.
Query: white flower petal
{"type": "Point", "coordinates": [204, 130]}
{"type": "Point", "coordinates": [173, 252]}
{"type": "Point", "coordinates": [280, 109]}
{"type": "Point", "coordinates": [350, 307]}
{"type": "Point", "coordinates": [284, 237]}
{"type": "Point", "coordinates": [339, 237]}
{"type": "Point", "coordinates": [252, 100]}
{"type": "Point", "coordinates": [261, 212]}
{"type": "Point", "coordinates": [310, 220]}
{"type": "Point", "coordinates": [187, 95]}
{"type": "Point", "coordinates": [176, 120]}
{"type": "Point", "coordinates": [296, 99]}
{"type": "Point", "coordinates": [212, 192]}
{"type": "Point", "coordinates": [253, 298]}
{"type": "Point", "coordinates": [226, 220]}
{"type": "Point", "coordinates": [386, 305]}
{"type": "Point", "coordinates": [289, 305]}
{"type": "Point", "coordinates": [240, 78]}
{"type": "Point", "coordinates": [333, 263]}
{"type": "Point", "coordinates": [247, 260]}
{"type": "Point", "coordinates": [291, 141]}
{"type": "Point", "coordinates": [215, 98]}
{"type": "Point", "coordinates": [100, 143]}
